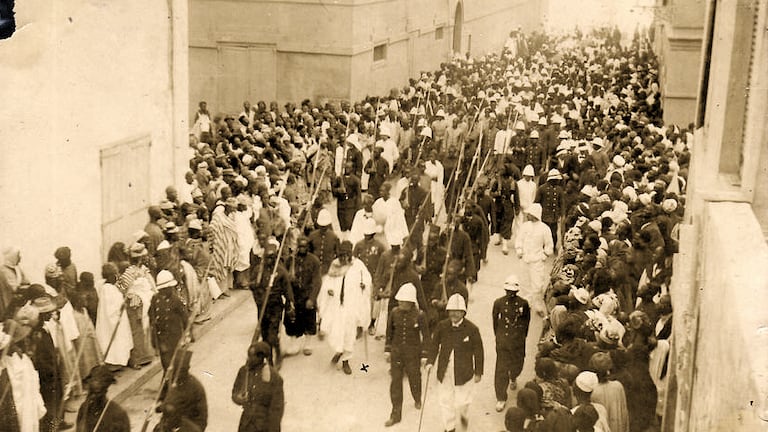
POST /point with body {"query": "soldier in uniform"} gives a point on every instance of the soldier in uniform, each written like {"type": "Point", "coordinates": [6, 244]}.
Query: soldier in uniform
{"type": "Point", "coordinates": [369, 251]}
{"type": "Point", "coordinates": [406, 343]}
{"type": "Point", "coordinates": [280, 293]}
{"type": "Point", "coordinates": [258, 389]}
{"type": "Point", "coordinates": [182, 399]}
{"type": "Point", "coordinates": [552, 199]}
{"type": "Point", "coordinates": [461, 249]}
{"type": "Point", "coordinates": [347, 191]}
{"type": "Point", "coordinates": [306, 282]}
{"type": "Point", "coordinates": [167, 318]}
{"type": "Point", "coordinates": [453, 285]}
{"type": "Point", "coordinates": [323, 243]}
{"type": "Point", "coordinates": [511, 316]}
{"type": "Point", "coordinates": [412, 199]}
{"type": "Point", "coordinates": [504, 192]}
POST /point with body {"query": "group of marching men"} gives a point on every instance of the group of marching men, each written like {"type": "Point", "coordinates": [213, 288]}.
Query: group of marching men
{"type": "Point", "coordinates": [558, 148]}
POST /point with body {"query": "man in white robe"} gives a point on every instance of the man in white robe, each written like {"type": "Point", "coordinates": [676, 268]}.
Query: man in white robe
{"type": "Point", "coordinates": [245, 239]}
{"type": "Point", "coordinates": [344, 304]}
{"type": "Point", "coordinates": [436, 172]}
{"type": "Point", "coordinates": [111, 317]}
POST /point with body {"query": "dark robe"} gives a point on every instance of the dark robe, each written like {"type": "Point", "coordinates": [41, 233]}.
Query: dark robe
{"type": "Point", "coordinates": [115, 418]}
{"type": "Point", "coordinates": [306, 282]}
{"type": "Point", "coordinates": [263, 402]}
{"type": "Point", "coordinates": [324, 244]}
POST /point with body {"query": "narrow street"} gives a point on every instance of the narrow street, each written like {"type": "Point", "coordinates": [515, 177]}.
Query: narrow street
{"type": "Point", "coordinates": [319, 397]}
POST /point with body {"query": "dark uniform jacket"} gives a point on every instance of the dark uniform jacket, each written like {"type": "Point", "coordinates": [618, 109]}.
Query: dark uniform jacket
{"type": "Point", "coordinates": [552, 200]}
{"type": "Point", "coordinates": [115, 418]}
{"type": "Point", "coordinates": [281, 287]}
{"type": "Point", "coordinates": [348, 196]}
{"type": "Point", "coordinates": [325, 245]}
{"type": "Point", "coordinates": [187, 396]}
{"type": "Point", "coordinates": [369, 252]}
{"type": "Point", "coordinates": [511, 316]}
{"type": "Point", "coordinates": [306, 277]}
{"type": "Point", "coordinates": [466, 345]}
{"type": "Point", "coordinates": [168, 319]}
{"type": "Point", "coordinates": [407, 332]}
{"type": "Point", "coordinates": [461, 249]}
{"type": "Point", "coordinates": [263, 402]}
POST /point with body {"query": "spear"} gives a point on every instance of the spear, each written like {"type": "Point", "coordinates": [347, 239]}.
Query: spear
{"type": "Point", "coordinates": [170, 374]}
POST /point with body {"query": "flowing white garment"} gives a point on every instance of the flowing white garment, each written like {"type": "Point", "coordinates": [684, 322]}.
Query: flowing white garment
{"type": "Point", "coordinates": [111, 315]}
{"type": "Point", "coordinates": [245, 239]}
{"type": "Point", "coordinates": [25, 389]}
{"type": "Point", "coordinates": [395, 227]}
{"type": "Point", "coordinates": [436, 174]}
{"type": "Point", "coordinates": [340, 321]}
{"type": "Point", "coordinates": [68, 326]}
{"type": "Point", "coordinates": [145, 290]}
{"type": "Point", "coordinates": [356, 232]}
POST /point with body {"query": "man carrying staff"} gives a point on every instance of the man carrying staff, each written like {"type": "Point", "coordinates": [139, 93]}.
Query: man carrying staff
{"type": "Point", "coordinates": [306, 282]}
{"type": "Point", "coordinates": [259, 390]}
{"type": "Point", "coordinates": [458, 348]}
{"type": "Point", "coordinates": [97, 409]}
{"type": "Point", "coordinates": [277, 297]}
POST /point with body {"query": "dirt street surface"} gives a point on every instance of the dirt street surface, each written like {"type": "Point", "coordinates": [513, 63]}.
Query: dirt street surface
{"type": "Point", "coordinates": [319, 397]}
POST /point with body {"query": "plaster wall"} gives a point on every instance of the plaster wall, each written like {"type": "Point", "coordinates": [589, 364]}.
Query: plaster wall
{"type": "Point", "coordinates": [730, 390]}
{"type": "Point", "coordinates": [78, 76]}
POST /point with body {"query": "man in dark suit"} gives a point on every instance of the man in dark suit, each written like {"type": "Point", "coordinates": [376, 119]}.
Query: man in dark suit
{"type": "Point", "coordinates": [458, 348]}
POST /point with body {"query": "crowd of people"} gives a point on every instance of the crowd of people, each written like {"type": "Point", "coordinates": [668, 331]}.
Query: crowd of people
{"type": "Point", "coordinates": [554, 149]}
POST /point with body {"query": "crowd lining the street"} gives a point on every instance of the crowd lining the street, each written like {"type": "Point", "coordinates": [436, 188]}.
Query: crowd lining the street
{"type": "Point", "coordinates": [553, 150]}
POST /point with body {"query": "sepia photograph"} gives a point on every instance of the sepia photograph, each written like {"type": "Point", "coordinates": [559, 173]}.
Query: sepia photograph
{"type": "Point", "coordinates": [383, 215]}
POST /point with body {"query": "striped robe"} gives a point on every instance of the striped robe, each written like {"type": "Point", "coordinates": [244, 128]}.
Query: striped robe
{"type": "Point", "coordinates": [224, 241]}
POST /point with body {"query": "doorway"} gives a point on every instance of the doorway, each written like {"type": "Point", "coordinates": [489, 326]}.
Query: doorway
{"type": "Point", "coordinates": [458, 21]}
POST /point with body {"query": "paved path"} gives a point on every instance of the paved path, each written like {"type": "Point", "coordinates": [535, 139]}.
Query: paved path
{"type": "Point", "coordinates": [319, 397]}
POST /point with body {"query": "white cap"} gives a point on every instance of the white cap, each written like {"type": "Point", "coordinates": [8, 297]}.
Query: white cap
{"type": "Point", "coordinates": [554, 174]}
{"type": "Point", "coordinates": [165, 279]}
{"type": "Point", "coordinates": [534, 210]}
{"type": "Point", "coordinates": [407, 292]}
{"type": "Point", "coordinates": [619, 161]}
{"type": "Point", "coordinates": [534, 133]}
{"type": "Point", "coordinates": [586, 381]}
{"type": "Point", "coordinates": [440, 113]}
{"type": "Point", "coordinates": [163, 245]}
{"type": "Point", "coordinates": [512, 283]}
{"type": "Point", "coordinates": [324, 218]}
{"type": "Point", "coordinates": [195, 224]}
{"type": "Point", "coordinates": [456, 302]}
{"type": "Point", "coordinates": [528, 171]}
{"type": "Point", "coordinates": [581, 295]}
{"type": "Point", "coordinates": [369, 226]}
{"type": "Point", "coordinates": [427, 132]}
{"type": "Point", "coordinates": [519, 125]}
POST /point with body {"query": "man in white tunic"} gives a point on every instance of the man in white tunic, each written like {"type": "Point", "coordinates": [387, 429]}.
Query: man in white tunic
{"type": "Point", "coordinates": [344, 304]}
{"type": "Point", "coordinates": [391, 154]}
{"type": "Point", "coordinates": [112, 318]}
{"type": "Point", "coordinates": [534, 244]}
